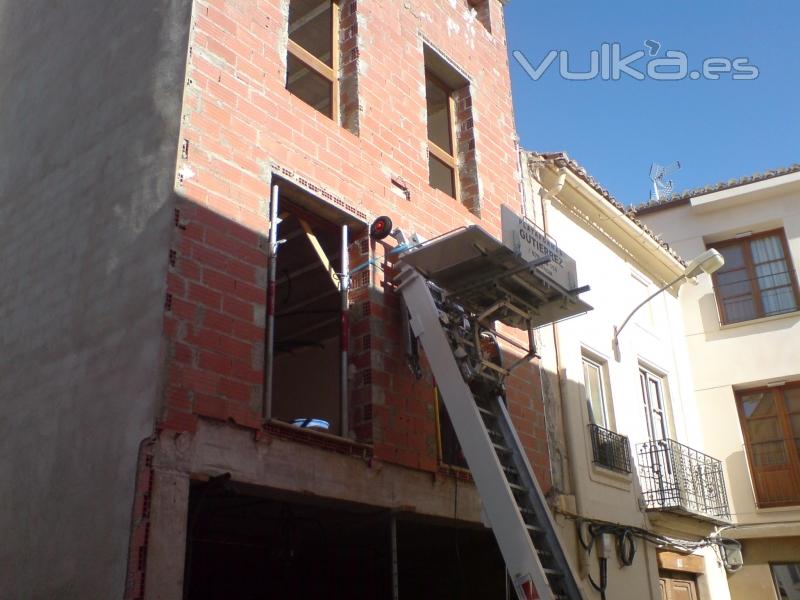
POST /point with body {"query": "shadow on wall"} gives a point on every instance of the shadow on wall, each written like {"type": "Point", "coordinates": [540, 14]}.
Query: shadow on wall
{"type": "Point", "coordinates": [603, 448]}
{"type": "Point", "coordinates": [739, 483]}
{"type": "Point", "coordinates": [91, 100]}
{"type": "Point", "coordinates": [709, 314]}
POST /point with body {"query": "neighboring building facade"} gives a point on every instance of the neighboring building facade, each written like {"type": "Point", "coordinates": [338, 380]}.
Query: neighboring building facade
{"type": "Point", "coordinates": [743, 335]}
{"type": "Point", "coordinates": [627, 446]}
{"type": "Point", "coordinates": [143, 467]}
{"type": "Point", "coordinates": [91, 105]}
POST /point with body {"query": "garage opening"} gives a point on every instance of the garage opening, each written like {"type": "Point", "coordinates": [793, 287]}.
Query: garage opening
{"type": "Point", "coordinates": [248, 543]}
{"type": "Point", "coordinates": [309, 374]}
{"type": "Point", "coordinates": [256, 544]}
{"type": "Point", "coordinates": [440, 561]}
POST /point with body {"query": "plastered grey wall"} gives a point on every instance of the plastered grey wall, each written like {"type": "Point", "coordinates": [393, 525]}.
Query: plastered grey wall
{"type": "Point", "coordinates": [90, 95]}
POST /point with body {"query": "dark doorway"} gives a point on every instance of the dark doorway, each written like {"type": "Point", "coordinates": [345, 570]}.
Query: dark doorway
{"type": "Point", "coordinates": [259, 545]}
{"type": "Point", "coordinates": [442, 562]}
{"type": "Point", "coordinates": [247, 543]}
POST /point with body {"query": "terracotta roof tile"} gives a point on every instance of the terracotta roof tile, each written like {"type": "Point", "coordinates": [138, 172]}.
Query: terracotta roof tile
{"type": "Point", "coordinates": [686, 195]}
{"type": "Point", "coordinates": [562, 160]}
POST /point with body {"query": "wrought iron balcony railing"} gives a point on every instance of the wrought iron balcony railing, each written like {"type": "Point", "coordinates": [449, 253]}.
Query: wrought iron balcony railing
{"type": "Point", "coordinates": [610, 450]}
{"type": "Point", "coordinates": [680, 479]}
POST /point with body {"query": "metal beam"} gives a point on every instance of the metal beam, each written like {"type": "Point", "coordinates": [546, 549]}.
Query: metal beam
{"type": "Point", "coordinates": [395, 568]}
{"type": "Point", "coordinates": [272, 265]}
{"type": "Point", "coordinates": [344, 333]}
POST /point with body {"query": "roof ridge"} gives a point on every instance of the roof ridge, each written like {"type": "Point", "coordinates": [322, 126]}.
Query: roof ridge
{"type": "Point", "coordinates": [686, 195]}
{"type": "Point", "coordinates": [562, 160]}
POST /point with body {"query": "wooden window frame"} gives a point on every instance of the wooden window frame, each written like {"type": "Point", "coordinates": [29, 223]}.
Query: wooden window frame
{"type": "Point", "coordinates": [751, 273]}
{"type": "Point", "coordinates": [601, 369]}
{"type": "Point", "coordinates": [772, 566]}
{"type": "Point", "coordinates": [645, 375]}
{"type": "Point", "coordinates": [312, 62]}
{"type": "Point", "coordinates": [792, 452]}
{"type": "Point", "coordinates": [449, 160]}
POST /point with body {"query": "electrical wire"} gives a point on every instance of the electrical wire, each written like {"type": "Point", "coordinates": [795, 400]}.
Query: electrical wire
{"type": "Point", "coordinates": [626, 548]}
{"type": "Point", "coordinates": [659, 540]}
{"type": "Point", "coordinates": [595, 530]}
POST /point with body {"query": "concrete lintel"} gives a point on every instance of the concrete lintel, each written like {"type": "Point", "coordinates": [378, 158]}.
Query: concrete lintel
{"type": "Point", "coordinates": [291, 466]}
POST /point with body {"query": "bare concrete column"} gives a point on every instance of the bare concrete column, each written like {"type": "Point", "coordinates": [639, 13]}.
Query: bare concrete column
{"type": "Point", "coordinates": [167, 539]}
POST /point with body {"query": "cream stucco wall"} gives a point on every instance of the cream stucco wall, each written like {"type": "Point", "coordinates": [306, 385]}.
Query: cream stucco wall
{"type": "Point", "coordinates": [620, 275]}
{"type": "Point", "coordinates": [729, 357]}
{"type": "Point", "coordinates": [739, 356]}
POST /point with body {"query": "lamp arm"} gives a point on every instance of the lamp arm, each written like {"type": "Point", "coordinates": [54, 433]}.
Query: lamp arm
{"type": "Point", "coordinates": [645, 301]}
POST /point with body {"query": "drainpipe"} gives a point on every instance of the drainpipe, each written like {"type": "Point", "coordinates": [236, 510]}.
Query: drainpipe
{"type": "Point", "coordinates": [523, 188]}
{"type": "Point", "coordinates": [552, 193]}
{"type": "Point", "coordinates": [546, 201]}
{"type": "Point", "coordinates": [266, 409]}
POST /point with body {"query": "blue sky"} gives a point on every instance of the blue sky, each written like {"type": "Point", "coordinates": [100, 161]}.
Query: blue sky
{"type": "Point", "coordinates": [717, 129]}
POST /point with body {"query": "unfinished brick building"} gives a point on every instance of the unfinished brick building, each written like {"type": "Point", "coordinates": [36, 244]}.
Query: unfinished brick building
{"type": "Point", "coordinates": [352, 110]}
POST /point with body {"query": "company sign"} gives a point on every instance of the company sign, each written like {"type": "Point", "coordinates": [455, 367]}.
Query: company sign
{"type": "Point", "coordinates": [526, 239]}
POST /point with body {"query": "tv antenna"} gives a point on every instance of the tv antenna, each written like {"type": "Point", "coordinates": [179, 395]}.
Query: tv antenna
{"type": "Point", "coordinates": [662, 187]}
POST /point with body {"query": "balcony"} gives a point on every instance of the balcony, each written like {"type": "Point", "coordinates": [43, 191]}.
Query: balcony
{"type": "Point", "coordinates": [679, 479]}
{"type": "Point", "coordinates": [610, 450]}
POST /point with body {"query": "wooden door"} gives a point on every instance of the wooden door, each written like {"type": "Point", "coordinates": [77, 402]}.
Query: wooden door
{"type": "Point", "coordinates": [678, 587]}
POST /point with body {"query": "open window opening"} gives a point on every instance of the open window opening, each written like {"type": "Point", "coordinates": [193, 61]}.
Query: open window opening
{"type": "Point", "coordinates": [308, 379]}
{"type": "Point", "coordinates": [482, 12]}
{"type": "Point", "coordinates": [312, 62]}
{"type": "Point", "coordinates": [451, 140]}
{"type": "Point", "coordinates": [245, 542]}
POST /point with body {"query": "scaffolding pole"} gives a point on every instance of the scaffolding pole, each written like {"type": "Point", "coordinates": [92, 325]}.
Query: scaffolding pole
{"type": "Point", "coordinates": [266, 409]}
{"type": "Point", "coordinates": [395, 570]}
{"type": "Point", "coordinates": [344, 285]}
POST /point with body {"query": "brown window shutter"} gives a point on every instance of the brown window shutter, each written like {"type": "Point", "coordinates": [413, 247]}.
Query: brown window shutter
{"type": "Point", "coordinates": [771, 446]}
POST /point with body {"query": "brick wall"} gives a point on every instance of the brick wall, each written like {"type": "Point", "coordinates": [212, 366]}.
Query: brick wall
{"type": "Point", "coordinates": [214, 320]}
{"type": "Point", "coordinates": [240, 126]}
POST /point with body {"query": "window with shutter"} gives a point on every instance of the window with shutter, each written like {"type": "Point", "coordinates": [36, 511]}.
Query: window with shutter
{"type": "Point", "coordinates": [770, 419]}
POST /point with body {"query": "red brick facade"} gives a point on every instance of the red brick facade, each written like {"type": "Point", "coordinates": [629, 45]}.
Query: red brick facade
{"type": "Point", "coordinates": [241, 126]}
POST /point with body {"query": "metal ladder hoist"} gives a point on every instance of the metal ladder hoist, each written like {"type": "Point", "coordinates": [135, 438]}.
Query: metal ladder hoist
{"type": "Point", "coordinates": [455, 289]}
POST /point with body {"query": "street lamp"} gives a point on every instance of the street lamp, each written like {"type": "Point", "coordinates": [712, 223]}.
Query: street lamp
{"type": "Point", "coordinates": [707, 262]}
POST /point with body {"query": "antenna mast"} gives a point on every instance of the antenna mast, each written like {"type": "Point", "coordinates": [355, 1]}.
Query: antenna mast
{"type": "Point", "coordinates": [662, 188]}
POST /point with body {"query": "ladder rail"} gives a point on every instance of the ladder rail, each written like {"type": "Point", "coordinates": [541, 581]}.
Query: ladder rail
{"type": "Point", "coordinates": [499, 503]}
{"type": "Point", "coordinates": [536, 500]}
